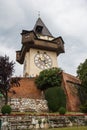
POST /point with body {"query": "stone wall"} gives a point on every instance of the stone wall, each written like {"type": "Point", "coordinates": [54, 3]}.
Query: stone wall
{"type": "Point", "coordinates": [24, 122]}
{"type": "Point", "coordinates": [28, 89]}
{"type": "Point", "coordinates": [27, 104]}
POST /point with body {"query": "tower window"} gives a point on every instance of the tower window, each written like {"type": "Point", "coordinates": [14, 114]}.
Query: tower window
{"type": "Point", "coordinates": [39, 29]}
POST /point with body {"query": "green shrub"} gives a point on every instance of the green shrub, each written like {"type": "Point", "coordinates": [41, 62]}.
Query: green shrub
{"type": "Point", "coordinates": [55, 98]}
{"type": "Point", "coordinates": [62, 110]}
{"type": "Point", "coordinates": [83, 108]}
{"type": "Point", "coordinates": [49, 78]}
{"type": "Point", "coordinates": [6, 109]}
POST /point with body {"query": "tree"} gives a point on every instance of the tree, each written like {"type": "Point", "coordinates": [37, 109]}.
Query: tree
{"type": "Point", "coordinates": [82, 72]}
{"type": "Point", "coordinates": [6, 71]}
{"type": "Point", "coordinates": [49, 78]}
{"type": "Point", "coordinates": [83, 108]}
{"type": "Point", "coordinates": [56, 98]}
{"type": "Point", "coordinates": [49, 81]}
{"type": "Point", "coordinates": [82, 75]}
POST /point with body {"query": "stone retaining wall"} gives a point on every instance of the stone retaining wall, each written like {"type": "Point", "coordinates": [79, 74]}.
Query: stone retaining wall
{"type": "Point", "coordinates": [19, 122]}
{"type": "Point", "coordinates": [27, 104]}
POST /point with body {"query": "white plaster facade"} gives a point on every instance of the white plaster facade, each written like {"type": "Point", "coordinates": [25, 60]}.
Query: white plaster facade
{"type": "Point", "coordinates": [30, 69]}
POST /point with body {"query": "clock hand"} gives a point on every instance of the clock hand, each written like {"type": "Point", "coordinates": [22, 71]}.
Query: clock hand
{"type": "Point", "coordinates": [42, 59]}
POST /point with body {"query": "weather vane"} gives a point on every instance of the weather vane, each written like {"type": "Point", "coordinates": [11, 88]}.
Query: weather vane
{"type": "Point", "coordinates": [38, 13]}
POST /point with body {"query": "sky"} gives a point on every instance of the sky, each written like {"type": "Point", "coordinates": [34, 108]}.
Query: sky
{"type": "Point", "coordinates": [66, 18]}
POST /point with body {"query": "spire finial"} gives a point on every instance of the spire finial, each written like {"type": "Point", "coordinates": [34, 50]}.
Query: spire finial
{"type": "Point", "coordinates": [38, 14]}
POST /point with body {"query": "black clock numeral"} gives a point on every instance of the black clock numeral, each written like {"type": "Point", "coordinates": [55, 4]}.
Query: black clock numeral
{"type": "Point", "coordinates": [42, 60]}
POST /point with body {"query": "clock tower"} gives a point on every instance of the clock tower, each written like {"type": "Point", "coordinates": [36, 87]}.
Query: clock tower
{"type": "Point", "coordinates": [39, 49]}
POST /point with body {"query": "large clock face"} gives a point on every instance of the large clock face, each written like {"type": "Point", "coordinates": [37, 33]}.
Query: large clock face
{"type": "Point", "coordinates": [43, 60]}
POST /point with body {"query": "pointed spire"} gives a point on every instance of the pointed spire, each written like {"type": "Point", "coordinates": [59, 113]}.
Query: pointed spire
{"type": "Point", "coordinates": [41, 28]}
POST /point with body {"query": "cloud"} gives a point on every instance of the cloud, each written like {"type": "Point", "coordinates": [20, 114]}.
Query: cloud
{"type": "Point", "coordinates": [63, 18]}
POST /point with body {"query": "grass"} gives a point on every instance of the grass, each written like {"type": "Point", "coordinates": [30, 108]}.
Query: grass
{"type": "Point", "coordinates": [56, 113]}
{"type": "Point", "coordinates": [71, 128]}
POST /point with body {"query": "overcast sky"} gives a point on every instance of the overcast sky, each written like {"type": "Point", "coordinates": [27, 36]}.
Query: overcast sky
{"type": "Point", "coordinates": [66, 18]}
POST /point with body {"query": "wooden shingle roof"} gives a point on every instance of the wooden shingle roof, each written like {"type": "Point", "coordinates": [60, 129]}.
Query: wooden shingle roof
{"type": "Point", "coordinates": [45, 30]}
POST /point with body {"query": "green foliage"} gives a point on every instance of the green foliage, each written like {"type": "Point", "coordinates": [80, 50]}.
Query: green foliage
{"type": "Point", "coordinates": [62, 110]}
{"type": "Point", "coordinates": [82, 74]}
{"type": "Point", "coordinates": [6, 109]}
{"type": "Point", "coordinates": [82, 94]}
{"type": "Point", "coordinates": [49, 78]}
{"type": "Point", "coordinates": [56, 98]}
{"type": "Point", "coordinates": [83, 108]}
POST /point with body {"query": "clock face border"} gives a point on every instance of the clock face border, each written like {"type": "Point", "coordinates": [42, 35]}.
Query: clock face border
{"type": "Point", "coordinates": [42, 60]}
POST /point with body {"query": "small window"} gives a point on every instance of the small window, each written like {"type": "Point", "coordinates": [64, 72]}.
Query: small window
{"type": "Point", "coordinates": [39, 29]}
